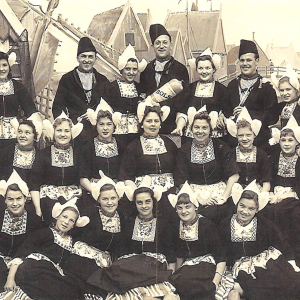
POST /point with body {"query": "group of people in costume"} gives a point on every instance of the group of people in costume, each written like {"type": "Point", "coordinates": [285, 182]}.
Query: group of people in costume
{"type": "Point", "coordinates": [162, 189]}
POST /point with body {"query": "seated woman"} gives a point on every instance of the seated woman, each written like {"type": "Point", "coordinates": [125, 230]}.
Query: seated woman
{"type": "Point", "coordinates": [124, 95]}
{"type": "Point", "coordinates": [16, 223]}
{"type": "Point", "coordinates": [198, 248]}
{"type": "Point", "coordinates": [21, 156]}
{"type": "Point", "coordinates": [38, 265]}
{"type": "Point", "coordinates": [151, 154]}
{"type": "Point", "coordinates": [260, 264]}
{"type": "Point", "coordinates": [55, 172]}
{"type": "Point", "coordinates": [146, 254]}
{"type": "Point", "coordinates": [252, 161]}
{"type": "Point", "coordinates": [210, 168]}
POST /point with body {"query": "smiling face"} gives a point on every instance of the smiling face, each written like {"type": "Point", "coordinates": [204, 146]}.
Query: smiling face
{"type": "Point", "coordinates": [66, 220]}
{"type": "Point", "coordinates": [245, 137]}
{"type": "Point", "coordinates": [205, 70]}
{"type": "Point", "coordinates": [248, 64]}
{"type": "Point", "coordinates": [201, 130]}
{"type": "Point", "coordinates": [62, 134]}
{"type": "Point", "coordinates": [105, 129]}
{"type": "Point", "coordinates": [4, 69]}
{"type": "Point", "coordinates": [144, 205]}
{"type": "Point", "coordinates": [186, 212]}
{"type": "Point", "coordinates": [162, 47]}
{"type": "Point", "coordinates": [15, 202]}
{"type": "Point", "coordinates": [25, 136]}
{"type": "Point", "coordinates": [287, 91]}
{"type": "Point", "coordinates": [86, 61]}
{"type": "Point", "coordinates": [246, 210]}
{"type": "Point", "coordinates": [108, 201]}
{"type": "Point", "coordinates": [129, 72]}
{"type": "Point", "coordinates": [151, 124]}
{"type": "Point", "coordinates": [288, 144]}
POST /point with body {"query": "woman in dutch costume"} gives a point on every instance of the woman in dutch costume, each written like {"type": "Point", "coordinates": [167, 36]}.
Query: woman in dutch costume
{"type": "Point", "coordinates": [260, 263]}
{"type": "Point", "coordinates": [55, 172]}
{"type": "Point", "coordinates": [198, 248]}
{"type": "Point", "coordinates": [209, 167]}
{"type": "Point", "coordinates": [146, 260]}
{"type": "Point", "coordinates": [16, 222]}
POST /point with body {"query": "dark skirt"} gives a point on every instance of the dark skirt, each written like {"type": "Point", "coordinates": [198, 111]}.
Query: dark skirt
{"type": "Point", "coordinates": [129, 273]}
{"type": "Point", "coordinates": [3, 274]}
{"type": "Point", "coordinates": [195, 282]}
{"type": "Point", "coordinates": [278, 282]}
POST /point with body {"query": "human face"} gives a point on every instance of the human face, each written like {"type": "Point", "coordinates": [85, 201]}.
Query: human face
{"type": "Point", "coordinates": [66, 220]}
{"type": "Point", "coordinates": [248, 64]}
{"type": "Point", "coordinates": [109, 201]}
{"type": "Point", "coordinates": [246, 210]}
{"type": "Point", "coordinates": [245, 137]}
{"type": "Point", "coordinates": [144, 205]}
{"type": "Point", "coordinates": [105, 129]}
{"type": "Point", "coordinates": [62, 134]}
{"type": "Point", "coordinates": [288, 144]}
{"type": "Point", "coordinates": [25, 136]}
{"type": "Point", "coordinates": [287, 92]}
{"type": "Point", "coordinates": [205, 70]}
{"type": "Point", "coordinates": [15, 202]}
{"type": "Point", "coordinates": [151, 124]}
{"type": "Point", "coordinates": [130, 70]}
{"type": "Point", "coordinates": [162, 47]}
{"type": "Point", "coordinates": [86, 61]}
{"type": "Point", "coordinates": [4, 69]}
{"type": "Point", "coordinates": [186, 212]}
{"type": "Point", "coordinates": [201, 130]}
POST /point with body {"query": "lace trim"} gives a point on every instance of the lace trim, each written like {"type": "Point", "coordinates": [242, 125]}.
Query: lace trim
{"type": "Point", "coordinates": [128, 124]}
{"type": "Point", "coordinates": [54, 192]}
{"type": "Point", "coordinates": [241, 157]}
{"type": "Point", "coordinates": [144, 232]}
{"type": "Point", "coordinates": [165, 180]}
{"type": "Point", "coordinates": [205, 90]}
{"type": "Point", "coordinates": [6, 129]}
{"type": "Point", "coordinates": [201, 157]}
{"type": "Point", "coordinates": [7, 88]}
{"type": "Point", "coordinates": [197, 260]}
{"type": "Point", "coordinates": [153, 146]}
{"type": "Point", "coordinates": [287, 168]}
{"type": "Point", "coordinates": [106, 150]}
{"type": "Point", "coordinates": [62, 158]}
{"type": "Point", "coordinates": [110, 224]}
{"type": "Point", "coordinates": [158, 256]}
{"type": "Point", "coordinates": [288, 110]}
{"type": "Point", "coordinates": [23, 159]}
{"type": "Point", "coordinates": [127, 90]}
{"type": "Point", "coordinates": [65, 242]}
{"type": "Point", "coordinates": [241, 233]}
{"type": "Point", "coordinates": [14, 225]}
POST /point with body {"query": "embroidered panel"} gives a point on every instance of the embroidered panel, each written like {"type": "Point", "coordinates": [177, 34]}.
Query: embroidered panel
{"type": "Point", "coordinates": [206, 191]}
{"type": "Point", "coordinates": [241, 233]}
{"type": "Point", "coordinates": [197, 260]}
{"type": "Point", "coordinates": [287, 168]}
{"type": "Point", "coordinates": [23, 159]}
{"type": "Point", "coordinates": [153, 146]}
{"type": "Point", "coordinates": [127, 90]}
{"type": "Point", "coordinates": [288, 110]}
{"type": "Point", "coordinates": [128, 124]}
{"type": "Point", "coordinates": [14, 225]}
{"type": "Point", "coordinates": [7, 88]}
{"type": "Point", "coordinates": [201, 157]}
{"type": "Point", "coordinates": [188, 232]}
{"type": "Point", "coordinates": [54, 192]}
{"type": "Point", "coordinates": [144, 232]}
{"type": "Point", "coordinates": [205, 90]}
{"type": "Point", "coordinates": [6, 129]}
{"type": "Point", "coordinates": [62, 157]}
{"type": "Point", "coordinates": [246, 157]}
{"type": "Point", "coordinates": [65, 242]}
{"type": "Point", "coordinates": [106, 150]}
{"type": "Point", "coordinates": [165, 180]}
{"type": "Point", "coordinates": [110, 224]}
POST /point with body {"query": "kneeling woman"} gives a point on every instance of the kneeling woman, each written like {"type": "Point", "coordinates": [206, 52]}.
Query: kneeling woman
{"type": "Point", "coordinates": [261, 262]}
{"type": "Point", "coordinates": [142, 270]}
{"type": "Point", "coordinates": [199, 252]}
{"type": "Point", "coordinates": [38, 266]}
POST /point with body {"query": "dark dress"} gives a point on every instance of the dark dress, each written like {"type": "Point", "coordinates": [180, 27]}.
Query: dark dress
{"type": "Point", "coordinates": [124, 97]}
{"type": "Point", "coordinates": [73, 100]}
{"type": "Point", "coordinates": [287, 110]}
{"type": "Point", "coordinates": [268, 276]}
{"type": "Point", "coordinates": [207, 174]}
{"type": "Point", "coordinates": [55, 174]}
{"type": "Point", "coordinates": [201, 250]}
{"type": "Point", "coordinates": [172, 70]}
{"type": "Point", "coordinates": [14, 98]}
{"type": "Point", "coordinates": [41, 274]}
{"type": "Point", "coordinates": [11, 238]}
{"type": "Point", "coordinates": [146, 250]}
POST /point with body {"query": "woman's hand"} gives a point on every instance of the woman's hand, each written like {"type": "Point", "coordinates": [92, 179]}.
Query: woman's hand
{"type": "Point", "coordinates": [237, 111]}
{"type": "Point", "coordinates": [177, 131]}
{"type": "Point", "coordinates": [10, 285]}
{"type": "Point", "coordinates": [221, 122]}
{"type": "Point", "coordinates": [273, 198]}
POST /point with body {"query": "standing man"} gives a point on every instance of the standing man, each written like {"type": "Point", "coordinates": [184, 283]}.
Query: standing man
{"type": "Point", "coordinates": [251, 91]}
{"type": "Point", "coordinates": [160, 71]}
{"type": "Point", "coordinates": [80, 89]}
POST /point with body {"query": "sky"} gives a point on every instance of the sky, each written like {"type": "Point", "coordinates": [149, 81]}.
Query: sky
{"type": "Point", "coordinates": [273, 21]}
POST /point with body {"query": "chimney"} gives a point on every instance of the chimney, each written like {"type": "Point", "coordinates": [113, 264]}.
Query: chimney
{"type": "Point", "coordinates": [253, 35]}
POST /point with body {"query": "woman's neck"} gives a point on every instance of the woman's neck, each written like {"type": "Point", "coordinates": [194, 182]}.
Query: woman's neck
{"type": "Point", "coordinates": [147, 136]}
{"type": "Point", "coordinates": [26, 148]}
{"type": "Point", "coordinates": [107, 214]}
{"type": "Point", "coordinates": [105, 141]}
{"type": "Point", "coordinates": [201, 144]}
{"type": "Point", "coordinates": [245, 150]}
{"type": "Point", "coordinates": [191, 222]}
{"type": "Point", "coordinates": [62, 147]}
{"type": "Point", "coordinates": [242, 223]}
{"type": "Point", "coordinates": [146, 219]}
{"type": "Point", "coordinates": [2, 81]}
